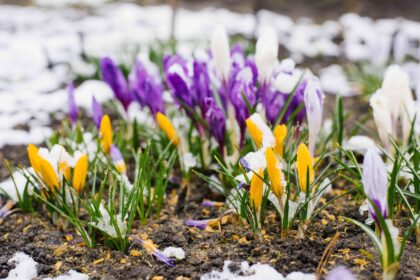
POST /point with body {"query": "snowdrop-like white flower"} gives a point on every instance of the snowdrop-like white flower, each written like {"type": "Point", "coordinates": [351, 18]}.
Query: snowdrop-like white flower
{"type": "Point", "coordinates": [313, 98]}
{"type": "Point", "coordinates": [221, 52]}
{"type": "Point", "coordinates": [382, 115]}
{"type": "Point", "coordinates": [266, 54]}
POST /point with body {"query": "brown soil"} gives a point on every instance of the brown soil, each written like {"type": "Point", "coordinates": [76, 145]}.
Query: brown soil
{"type": "Point", "coordinates": [205, 250]}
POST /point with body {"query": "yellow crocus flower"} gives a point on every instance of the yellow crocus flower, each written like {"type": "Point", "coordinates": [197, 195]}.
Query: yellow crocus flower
{"type": "Point", "coordinates": [80, 173]}
{"type": "Point", "coordinates": [167, 127]}
{"type": "Point", "coordinates": [33, 157]}
{"type": "Point", "coordinates": [274, 173]}
{"type": "Point", "coordinates": [280, 133]}
{"type": "Point", "coordinates": [304, 165]}
{"type": "Point", "coordinates": [255, 132]}
{"type": "Point", "coordinates": [106, 133]}
{"type": "Point", "coordinates": [48, 174]}
{"type": "Point", "coordinates": [65, 168]}
{"type": "Point", "coordinates": [256, 190]}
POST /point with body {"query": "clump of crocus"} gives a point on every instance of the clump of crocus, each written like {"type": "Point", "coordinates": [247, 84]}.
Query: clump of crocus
{"type": "Point", "coordinates": [385, 237]}
{"type": "Point", "coordinates": [292, 201]}
{"type": "Point", "coordinates": [55, 167]}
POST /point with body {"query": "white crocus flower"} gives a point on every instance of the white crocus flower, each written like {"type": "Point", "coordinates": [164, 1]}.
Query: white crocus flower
{"type": "Point", "coordinates": [266, 54]}
{"type": "Point", "coordinates": [382, 115]}
{"type": "Point", "coordinates": [313, 98]}
{"type": "Point", "coordinates": [221, 52]}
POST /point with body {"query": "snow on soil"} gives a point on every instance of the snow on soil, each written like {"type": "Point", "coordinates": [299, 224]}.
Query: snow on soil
{"type": "Point", "coordinates": [26, 269]}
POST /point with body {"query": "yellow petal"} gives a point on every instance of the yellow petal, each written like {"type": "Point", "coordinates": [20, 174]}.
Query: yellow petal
{"type": "Point", "coordinates": [255, 132]}
{"type": "Point", "coordinates": [274, 173]}
{"type": "Point", "coordinates": [48, 174]}
{"type": "Point", "coordinates": [304, 166]}
{"type": "Point", "coordinates": [280, 133]}
{"type": "Point", "coordinates": [167, 127]}
{"type": "Point", "coordinates": [121, 167]}
{"type": "Point", "coordinates": [33, 157]}
{"type": "Point", "coordinates": [106, 133]}
{"type": "Point", "coordinates": [80, 173]}
{"type": "Point", "coordinates": [256, 190]}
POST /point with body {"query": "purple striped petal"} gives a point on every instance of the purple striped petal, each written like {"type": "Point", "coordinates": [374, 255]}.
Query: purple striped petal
{"type": "Point", "coordinates": [96, 112]}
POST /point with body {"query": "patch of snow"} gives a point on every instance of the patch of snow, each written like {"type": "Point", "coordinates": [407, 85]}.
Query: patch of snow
{"type": "Point", "coordinates": [13, 191]}
{"type": "Point", "coordinates": [175, 252]}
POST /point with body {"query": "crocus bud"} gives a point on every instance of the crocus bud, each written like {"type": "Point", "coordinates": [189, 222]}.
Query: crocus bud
{"type": "Point", "coordinates": [280, 133]}
{"type": "Point", "coordinates": [117, 159]}
{"type": "Point", "coordinates": [274, 173]}
{"type": "Point", "coordinates": [48, 174]}
{"type": "Point", "coordinates": [167, 127]}
{"type": "Point", "coordinates": [216, 120]}
{"type": "Point", "coordinates": [96, 112]}
{"type": "Point", "coordinates": [220, 51]}
{"type": "Point", "coordinates": [106, 133]}
{"type": "Point", "coordinates": [304, 166]}
{"type": "Point", "coordinates": [34, 158]}
{"type": "Point", "coordinates": [382, 115]}
{"type": "Point", "coordinates": [266, 54]}
{"type": "Point", "coordinates": [259, 131]}
{"type": "Point", "coordinates": [80, 173]}
{"type": "Point", "coordinates": [114, 77]}
{"type": "Point", "coordinates": [256, 190]}
{"type": "Point", "coordinates": [73, 111]}
{"type": "Point", "coordinates": [313, 98]}
{"type": "Point", "coordinates": [375, 181]}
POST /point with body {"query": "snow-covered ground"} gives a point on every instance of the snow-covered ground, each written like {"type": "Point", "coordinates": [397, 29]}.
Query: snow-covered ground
{"type": "Point", "coordinates": [41, 49]}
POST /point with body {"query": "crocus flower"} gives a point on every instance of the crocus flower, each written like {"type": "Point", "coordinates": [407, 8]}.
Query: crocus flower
{"type": "Point", "coordinates": [340, 273]}
{"type": "Point", "coordinates": [113, 76]}
{"type": "Point", "coordinates": [52, 165]}
{"type": "Point", "coordinates": [106, 133]}
{"type": "Point", "coordinates": [382, 115]}
{"type": "Point", "coordinates": [151, 248]}
{"type": "Point", "coordinates": [375, 181]}
{"type": "Point", "coordinates": [221, 53]}
{"type": "Point", "coordinates": [179, 81]}
{"type": "Point", "coordinates": [304, 164]}
{"type": "Point", "coordinates": [266, 52]}
{"type": "Point", "coordinates": [73, 111]}
{"type": "Point", "coordinates": [96, 112]}
{"type": "Point", "coordinates": [201, 84]}
{"type": "Point", "coordinates": [216, 120]}
{"type": "Point", "coordinates": [280, 133]}
{"type": "Point", "coordinates": [117, 159]}
{"type": "Point", "coordinates": [256, 189]}
{"type": "Point", "coordinates": [167, 127]}
{"type": "Point", "coordinates": [260, 132]}
{"type": "Point", "coordinates": [243, 88]}
{"type": "Point", "coordinates": [147, 89]}
{"type": "Point", "coordinates": [80, 173]}
{"type": "Point", "coordinates": [274, 173]}
{"type": "Point", "coordinates": [200, 224]}
{"type": "Point", "coordinates": [313, 98]}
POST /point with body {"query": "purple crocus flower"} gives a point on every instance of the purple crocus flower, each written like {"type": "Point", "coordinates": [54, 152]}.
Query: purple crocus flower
{"type": "Point", "coordinates": [113, 76]}
{"type": "Point", "coordinates": [274, 100]}
{"type": "Point", "coordinates": [375, 182]}
{"type": "Point", "coordinates": [96, 112]}
{"type": "Point", "coordinates": [200, 224]}
{"type": "Point", "coordinates": [179, 81]}
{"type": "Point", "coordinates": [151, 249]}
{"type": "Point", "coordinates": [117, 159]}
{"type": "Point", "coordinates": [201, 84]}
{"type": "Point", "coordinates": [243, 86]}
{"type": "Point", "coordinates": [216, 121]}
{"type": "Point", "coordinates": [340, 273]}
{"type": "Point", "coordinates": [73, 111]}
{"type": "Point", "coordinates": [147, 89]}
{"type": "Point", "coordinates": [314, 101]}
